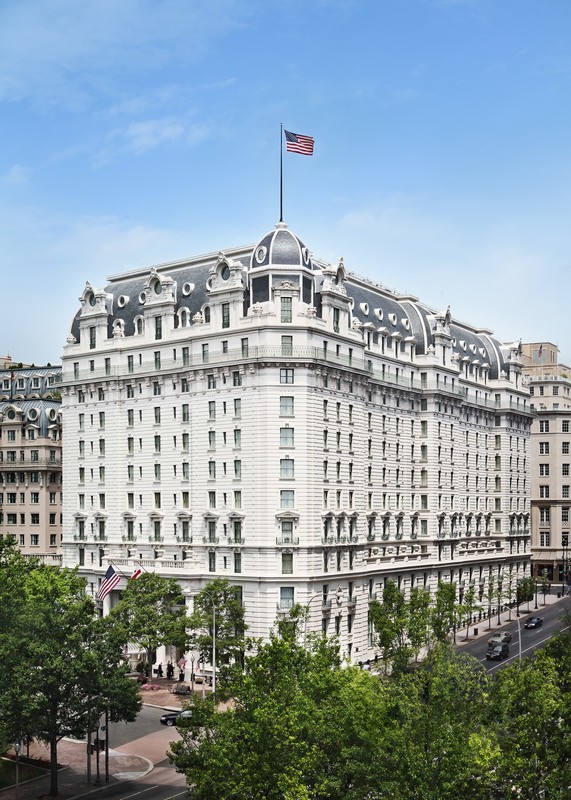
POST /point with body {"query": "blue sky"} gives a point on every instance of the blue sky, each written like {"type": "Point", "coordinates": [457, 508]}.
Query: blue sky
{"type": "Point", "coordinates": [135, 132]}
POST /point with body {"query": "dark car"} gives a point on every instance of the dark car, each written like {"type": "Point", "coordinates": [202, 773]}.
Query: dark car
{"type": "Point", "coordinates": [174, 717]}
{"type": "Point", "coordinates": [533, 622]}
{"type": "Point", "coordinates": [498, 652]}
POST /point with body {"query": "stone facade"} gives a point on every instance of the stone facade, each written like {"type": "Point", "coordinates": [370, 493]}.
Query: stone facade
{"type": "Point", "coordinates": [264, 416]}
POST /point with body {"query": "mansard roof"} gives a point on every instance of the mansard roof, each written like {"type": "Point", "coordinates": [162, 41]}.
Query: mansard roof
{"type": "Point", "coordinates": [380, 310]}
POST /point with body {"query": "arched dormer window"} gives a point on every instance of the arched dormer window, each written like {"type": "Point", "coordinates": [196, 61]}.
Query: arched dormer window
{"type": "Point", "coordinates": [206, 313]}
{"type": "Point", "coordinates": [139, 325]}
{"type": "Point", "coordinates": [184, 317]}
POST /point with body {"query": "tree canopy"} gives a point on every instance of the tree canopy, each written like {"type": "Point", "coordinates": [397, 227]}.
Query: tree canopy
{"type": "Point", "coordinates": [62, 666]}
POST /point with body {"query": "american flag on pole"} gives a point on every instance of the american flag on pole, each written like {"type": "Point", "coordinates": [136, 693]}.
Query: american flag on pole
{"type": "Point", "coordinates": [297, 143]}
{"type": "Point", "coordinates": [109, 582]}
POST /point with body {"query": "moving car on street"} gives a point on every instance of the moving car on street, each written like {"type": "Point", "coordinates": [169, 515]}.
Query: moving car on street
{"type": "Point", "coordinates": [533, 622]}
{"type": "Point", "coordinates": [498, 652]}
{"type": "Point", "coordinates": [174, 717]}
{"type": "Point", "coordinates": [499, 638]}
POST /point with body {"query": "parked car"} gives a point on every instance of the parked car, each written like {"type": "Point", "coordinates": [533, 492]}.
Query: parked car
{"type": "Point", "coordinates": [174, 717]}
{"type": "Point", "coordinates": [498, 652]}
{"type": "Point", "coordinates": [533, 622]}
{"type": "Point", "coordinates": [499, 638]}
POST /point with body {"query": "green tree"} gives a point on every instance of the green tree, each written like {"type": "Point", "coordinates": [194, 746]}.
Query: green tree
{"type": "Point", "coordinates": [525, 590]}
{"type": "Point", "coordinates": [65, 670]}
{"type": "Point", "coordinates": [220, 603]}
{"type": "Point", "coordinates": [527, 721]}
{"type": "Point", "coordinates": [390, 620]}
{"type": "Point", "coordinates": [443, 611]}
{"type": "Point", "coordinates": [438, 714]}
{"type": "Point", "coordinates": [151, 613]}
{"type": "Point", "coordinates": [419, 619]}
{"type": "Point", "coordinates": [301, 727]}
{"type": "Point", "coordinates": [468, 606]}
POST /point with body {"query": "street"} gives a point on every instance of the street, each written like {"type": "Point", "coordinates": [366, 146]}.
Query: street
{"type": "Point", "coordinates": [530, 639]}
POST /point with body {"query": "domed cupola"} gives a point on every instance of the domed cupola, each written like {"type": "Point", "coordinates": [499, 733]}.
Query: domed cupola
{"type": "Point", "coordinates": [281, 248]}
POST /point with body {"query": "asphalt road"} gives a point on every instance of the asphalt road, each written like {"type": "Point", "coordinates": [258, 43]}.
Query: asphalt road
{"type": "Point", "coordinates": [553, 622]}
{"type": "Point", "coordinates": [124, 732]}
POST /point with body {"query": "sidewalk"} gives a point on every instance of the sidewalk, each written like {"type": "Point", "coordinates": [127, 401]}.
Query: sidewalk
{"type": "Point", "coordinates": [72, 755]}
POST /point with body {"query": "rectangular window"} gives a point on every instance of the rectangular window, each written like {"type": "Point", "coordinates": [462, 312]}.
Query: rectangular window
{"type": "Point", "coordinates": [157, 472]}
{"type": "Point", "coordinates": [565, 516]}
{"type": "Point", "coordinates": [225, 315]}
{"type": "Point", "coordinates": [544, 426]}
{"type": "Point", "coordinates": [286, 597]}
{"type": "Point", "coordinates": [565, 491]}
{"type": "Point", "coordinates": [287, 498]}
{"type": "Point", "coordinates": [544, 470]}
{"type": "Point", "coordinates": [287, 531]}
{"type": "Point", "coordinates": [286, 309]}
{"type": "Point", "coordinates": [287, 345]}
{"type": "Point", "coordinates": [157, 443]}
{"type": "Point", "coordinates": [212, 499]}
{"type": "Point", "coordinates": [544, 516]}
{"type": "Point", "coordinates": [212, 409]}
{"type": "Point", "coordinates": [237, 468]}
{"type": "Point", "coordinates": [212, 562]}
{"type": "Point", "coordinates": [565, 469]}
{"type": "Point", "coordinates": [185, 470]}
{"type": "Point", "coordinates": [237, 562]}
{"type": "Point", "coordinates": [236, 378]}
{"type": "Point", "coordinates": [211, 440]}
{"type": "Point", "coordinates": [286, 467]}
{"type": "Point", "coordinates": [211, 381]}
{"type": "Point", "coordinates": [287, 563]}
{"type": "Point", "coordinates": [92, 338]}
{"type": "Point", "coordinates": [565, 448]}
{"type": "Point", "coordinates": [185, 413]}
{"type": "Point", "coordinates": [286, 437]}
{"type": "Point", "coordinates": [544, 448]}
{"type": "Point", "coordinates": [544, 492]}
{"type": "Point", "coordinates": [238, 499]}
{"type": "Point", "coordinates": [237, 407]}
{"type": "Point", "coordinates": [35, 519]}
{"type": "Point", "coordinates": [286, 376]}
{"type": "Point", "coordinates": [156, 388]}
{"type": "Point", "coordinates": [212, 470]}
{"type": "Point", "coordinates": [286, 406]}
{"type": "Point", "coordinates": [158, 328]}
{"type": "Point", "coordinates": [545, 539]}
{"type": "Point", "coordinates": [244, 348]}
{"type": "Point", "coordinates": [565, 426]}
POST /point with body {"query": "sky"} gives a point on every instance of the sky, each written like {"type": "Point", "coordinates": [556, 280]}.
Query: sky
{"type": "Point", "coordinates": [137, 132]}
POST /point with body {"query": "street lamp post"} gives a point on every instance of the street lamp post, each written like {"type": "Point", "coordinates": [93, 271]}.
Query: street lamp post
{"type": "Point", "coordinates": [565, 545]}
{"type": "Point", "coordinates": [17, 746]}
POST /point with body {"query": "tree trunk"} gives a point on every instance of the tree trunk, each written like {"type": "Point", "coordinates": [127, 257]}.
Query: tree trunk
{"type": "Point", "coordinates": [53, 766]}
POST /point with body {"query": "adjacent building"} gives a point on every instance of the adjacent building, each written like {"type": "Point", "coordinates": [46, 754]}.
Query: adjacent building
{"type": "Point", "coordinates": [550, 387]}
{"type": "Point", "coordinates": [264, 416]}
{"type": "Point", "coordinates": [30, 460]}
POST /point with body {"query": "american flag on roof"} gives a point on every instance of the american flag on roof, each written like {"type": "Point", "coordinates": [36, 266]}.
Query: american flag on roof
{"type": "Point", "coordinates": [109, 582]}
{"type": "Point", "coordinates": [298, 143]}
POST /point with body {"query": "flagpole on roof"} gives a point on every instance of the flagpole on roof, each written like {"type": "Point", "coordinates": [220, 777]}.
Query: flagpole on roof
{"type": "Point", "coordinates": [281, 173]}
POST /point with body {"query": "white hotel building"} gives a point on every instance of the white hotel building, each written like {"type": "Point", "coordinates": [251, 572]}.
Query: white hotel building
{"type": "Point", "coordinates": [266, 417]}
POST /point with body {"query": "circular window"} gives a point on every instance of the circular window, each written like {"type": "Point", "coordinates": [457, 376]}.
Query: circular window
{"type": "Point", "coordinates": [305, 255]}
{"type": "Point", "coordinates": [92, 299]}
{"type": "Point", "coordinates": [187, 289]}
{"type": "Point", "coordinates": [143, 298]}
{"type": "Point", "coordinates": [261, 254]}
{"type": "Point", "coordinates": [32, 414]}
{"type": "Point", "coordinates": [225, 274]}
{"type": "Point", "coordinates": [11, 414]}
{"type": "Point", "coordinates": [158, 287]}
{"type": "Point", "coordinates": [122, 301]}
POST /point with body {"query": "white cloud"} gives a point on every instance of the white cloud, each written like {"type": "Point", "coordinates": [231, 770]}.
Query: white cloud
{"type": "Point", "coordinates": [17, 175]}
